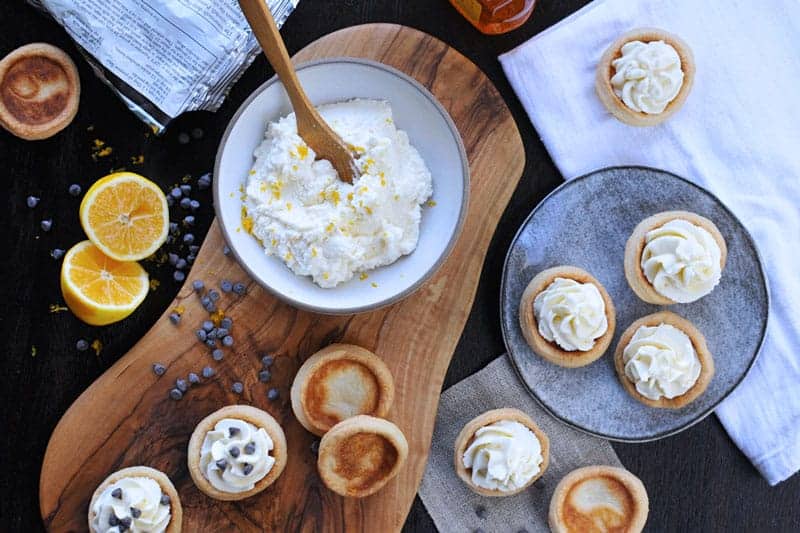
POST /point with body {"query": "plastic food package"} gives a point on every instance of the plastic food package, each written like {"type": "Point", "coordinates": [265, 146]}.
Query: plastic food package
{"type": "Point", "coordinates": [164, 57]}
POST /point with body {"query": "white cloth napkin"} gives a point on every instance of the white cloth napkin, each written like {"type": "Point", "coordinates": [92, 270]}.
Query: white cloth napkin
{"type": "Point", "coordinates": [738, 134]}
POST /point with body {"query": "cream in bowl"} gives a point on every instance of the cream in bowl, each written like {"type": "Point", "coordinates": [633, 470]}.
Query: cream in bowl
{"type": "Point", "coordinates": [301, 212]}
{"type": "Point", "coordinates": [324, 245]}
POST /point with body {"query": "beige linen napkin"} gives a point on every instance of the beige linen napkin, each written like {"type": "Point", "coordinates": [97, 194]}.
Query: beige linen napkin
{"type": "Point", "coordinates": [452, 505]}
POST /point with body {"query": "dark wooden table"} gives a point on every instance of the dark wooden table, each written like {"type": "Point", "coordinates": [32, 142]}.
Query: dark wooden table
{"type": "Point", "coordinates": [697, 481]}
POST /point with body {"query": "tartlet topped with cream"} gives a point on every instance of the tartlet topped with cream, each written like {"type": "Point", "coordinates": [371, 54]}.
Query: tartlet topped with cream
{"type": "Point", "coordinates": [567, 316]}
{"type": "Point", "coordinates": [644, 76]}
{"type": "Point", "coordinates": [662, 360]}
{"type": "Point", "coordinates": [236, 452]}
{"type": "Point", "coordinates": [501, 452]}
{"type": "Point", "coordinates": [674, 257]}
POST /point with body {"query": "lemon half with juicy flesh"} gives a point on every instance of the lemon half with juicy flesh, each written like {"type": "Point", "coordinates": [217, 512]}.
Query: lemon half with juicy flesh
{"type": "Point", "coordinates": [126, 216]}
{"type": "Point", "coordinates": [98, 289]}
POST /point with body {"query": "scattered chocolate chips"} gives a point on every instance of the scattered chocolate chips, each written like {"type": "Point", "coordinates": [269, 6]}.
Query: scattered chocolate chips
{"type": "Point", "coordinates": [234, 451]}
{"type": "Point", "coordinates": [136, 513]}
{"type": "Point", "coordinates": [233, 431]}
{"type": "Point", "coordinates": [117, 493]}
{"type": "Point", "coordinates": [159, 369]}
{"type": "Point", "coordinates": [113, 521]}
{"type": "Point", "coordinates": [222, 464]}
{"type": "Point", "coordinates": [164, 499]}
{"type": "Point", "coordinates": [250, 448]}
{"type": "Point", "coordinates": [125, 524]}
{"type": "Point", "coordinates": [247, 468]}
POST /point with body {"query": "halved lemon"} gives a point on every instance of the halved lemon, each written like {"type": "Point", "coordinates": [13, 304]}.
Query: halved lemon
{"type": "Point", "coordinates": [98, 289]}
{"type": "Point", "coordinates": [126, 216]}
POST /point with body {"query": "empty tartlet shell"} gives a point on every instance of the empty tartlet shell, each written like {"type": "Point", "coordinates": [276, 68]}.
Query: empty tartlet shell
{"type": "Point", "coordinates": [467, 435]}
{"type": "Point", "coordinates": [550, 350]}
{"type": "Point", "coordinates": [632, 484]}
{"type": "Point", "coordinates": [259, 419]}
{"type": "Point", "coordinates": [700, 347]}
{"type": "Point", "coordinates": [636, 243]}
{"type": "Point", "coordinates": [23, 115]}
{"type": "Point", "coordinates": [605, 71]}
{"type": "Point", "coordinates": [315, 423]}
{"type": "Point", "coordinates": [334, 445]}
{"type": "Point", "coordinates": [175, 508]}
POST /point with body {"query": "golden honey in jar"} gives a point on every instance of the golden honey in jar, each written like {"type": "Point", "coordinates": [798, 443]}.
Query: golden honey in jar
{"type": "Point", "coordinates": [495, 16]}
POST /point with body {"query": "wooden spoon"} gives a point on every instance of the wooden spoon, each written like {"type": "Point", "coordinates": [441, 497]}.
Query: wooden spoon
{"type": "Point", "coordinates": [310, 125]}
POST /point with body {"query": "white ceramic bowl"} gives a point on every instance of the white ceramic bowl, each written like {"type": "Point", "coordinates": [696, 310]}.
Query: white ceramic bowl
{"type": "Point", "coordinates": [431, 131]}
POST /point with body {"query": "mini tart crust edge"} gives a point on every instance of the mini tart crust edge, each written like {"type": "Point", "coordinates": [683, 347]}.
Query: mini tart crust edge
{"type": "Point", "coordinates": [256, 417]}
{"type": "Point", "coordinates": [550, 350]}
{"type": "Point", "coordinates": [700, 347]}
{"type": "Point", "coordinates": [634, 247]}
{"type": "Point", "coordinates": [175, 507]}
{"type": "Point", "coordinates": [31, 132]}
{"type": "Point", "coordinates": [326, 458]}
{"type": "Point", "coordinates": [333, 352]}
{"type": "Point", "coordinates": [615, 105]}
{"type": "Point", "coordinates": [467, 434]}
{"type": "Point", "coordinates": [629, 481]}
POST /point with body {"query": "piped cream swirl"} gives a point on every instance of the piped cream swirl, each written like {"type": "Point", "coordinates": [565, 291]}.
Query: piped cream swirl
{"type": "Point", "coordinates": [571, 314]}
{"type": "Point", "coordinates": [504, 456]}
{"type": "Point", "coordinates": [648, 76]}
{"type": "Point", "coordinates": [681, 261]}
{"type": "Point", "coordinates": [661, 361]}
{"type": "Point", "coordinates": [235, 455]}
{"type": "Point", "coordinates": [132, 504]}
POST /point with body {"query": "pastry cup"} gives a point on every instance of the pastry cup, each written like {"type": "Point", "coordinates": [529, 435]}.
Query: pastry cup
{"type": "Point", "coordinates": [636, 243]}
{"type": "Point", "coordinates": [605, 71]}
{"type": "Point", "coordinates": [175, 508]}
{"type": "Point", "coordinates": [623, 489]}
{"type": "Point", "coordinates": [340, 381]}
{"type": "Point", "coordinates": [550, 350]}
{"type": "Point", "coordinates": [39, 91]}
{"type": "Point", "coordinates": [254, 416]}
{"type": "Point", "coordinates": [467, 435]}
{"type": "Point", "coordinates": [359, 455]}
{"type": "Point", "coordinates": [700, 347]}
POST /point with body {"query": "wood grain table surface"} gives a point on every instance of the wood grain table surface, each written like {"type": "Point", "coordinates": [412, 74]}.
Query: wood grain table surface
{"type": "Point", "coordinates": [697, 480]}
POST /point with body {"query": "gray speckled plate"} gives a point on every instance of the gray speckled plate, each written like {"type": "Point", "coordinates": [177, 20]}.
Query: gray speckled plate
{"type": "Point", "coordinates": [586, 222]}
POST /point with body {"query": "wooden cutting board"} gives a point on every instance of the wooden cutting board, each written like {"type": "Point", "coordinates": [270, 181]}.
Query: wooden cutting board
{"type": "Point", "coordinates": [126, 418]}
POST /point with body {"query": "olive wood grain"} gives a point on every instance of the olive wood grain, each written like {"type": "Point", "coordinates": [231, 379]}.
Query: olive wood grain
{"type": "Point", "coordinates": [126, 417]}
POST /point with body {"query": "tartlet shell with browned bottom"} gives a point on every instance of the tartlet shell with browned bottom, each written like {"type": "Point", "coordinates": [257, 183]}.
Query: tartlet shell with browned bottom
{"type": "Point", "coordinates": [175, 507]}
{"type": "Point", "coordinates": [259, 419]}
{"type": "Point", "coordinates": [632, 484]}
{"type": "Point", "coordinates": [550, 350]}
{"type": "Point", "coordinates": [301, 387]}
{"type": "Point", "coordinates": [700, 347]}
{"type": "Point", "coordinates": [467, 435]}
{"type": "Point", "coordinates": [605, 71]}
{"type": "Point", "coordinates": [52, 76]}
{"type": "Point", "coordinates": [634, 274]}
{"type": "Point", "coordinates": [347, 466]}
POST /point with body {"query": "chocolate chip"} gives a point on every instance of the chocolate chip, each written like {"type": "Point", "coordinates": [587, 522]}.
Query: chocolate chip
{"type": "Point", "coordinates": [232, 431]}
{"type": "Point", "coordinates": [247, 468]}
{"type": "Point", "coordinates": [117, 493]}
{"type": "Point", "coordinates": [222, 464]}
{"type": "Point", "coordinates": [136, 513]}
{"type": "Point", "coordinates": [113, 521]}
{"type": "Point", "coordinates": [250, 448]}
{"type": "Point", "coordinates": [234, 451]}
{"type": "Point", "coordinates": [125, 524]}
{"type": "Point", "coordinates": [164, 499]}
